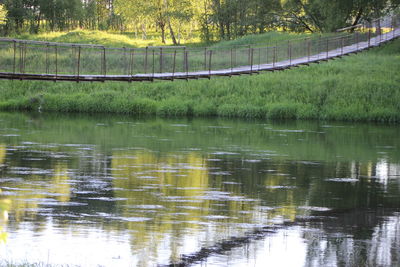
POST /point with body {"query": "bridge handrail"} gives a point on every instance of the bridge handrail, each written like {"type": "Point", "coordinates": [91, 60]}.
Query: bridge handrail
{"type": "Point", "coordinates": [30, 59]}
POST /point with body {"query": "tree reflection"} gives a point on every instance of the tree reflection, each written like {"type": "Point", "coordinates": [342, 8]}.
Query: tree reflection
{"type": "Point", "coordinates": [4, 208]}
{"type": "Point", "coordinates": [339, 246]}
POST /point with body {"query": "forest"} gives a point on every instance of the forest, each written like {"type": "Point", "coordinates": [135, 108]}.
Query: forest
{"type": "Point", "coordinates": [211, 20]}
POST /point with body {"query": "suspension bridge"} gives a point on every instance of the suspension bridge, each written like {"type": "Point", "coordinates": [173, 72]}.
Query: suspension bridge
{"type": "Point", "coordinates": [35, 60]}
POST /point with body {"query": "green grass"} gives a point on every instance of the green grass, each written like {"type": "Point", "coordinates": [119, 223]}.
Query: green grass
{"type": "Point", "coordinates": [363, 87]}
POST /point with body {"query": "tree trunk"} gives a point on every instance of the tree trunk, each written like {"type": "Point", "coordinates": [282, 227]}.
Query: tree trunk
{"type": "Point", "coordinates": [358, 17]}
{"type": "Point", "coordinates": [144, 33]}
{"type": "Point", "coordinates": [162, 28]}
{"type": "Point", "coordinates": [171, 31]}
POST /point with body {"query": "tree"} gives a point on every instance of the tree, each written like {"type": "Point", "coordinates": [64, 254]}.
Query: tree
{"type": "Point", "coordinates": [328, 15]}
{"type": "Point", "coordinates": [3, 14]}
{"type": "Point", "coordinates": [234, 18]}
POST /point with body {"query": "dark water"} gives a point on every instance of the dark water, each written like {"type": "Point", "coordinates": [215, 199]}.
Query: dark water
{"type": "Point", "coordinates": [120, 191]}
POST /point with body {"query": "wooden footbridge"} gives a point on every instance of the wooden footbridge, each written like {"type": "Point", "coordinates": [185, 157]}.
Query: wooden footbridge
{"type": "Point", "coordinates": [33, 60]}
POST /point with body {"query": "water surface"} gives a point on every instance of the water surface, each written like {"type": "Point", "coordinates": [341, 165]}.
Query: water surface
{"type": "Point", "coordinates": [121, 191]}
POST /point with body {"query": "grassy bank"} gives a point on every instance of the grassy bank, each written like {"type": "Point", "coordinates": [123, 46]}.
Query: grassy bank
{"type": "Point", "coordinates": [363, 87]}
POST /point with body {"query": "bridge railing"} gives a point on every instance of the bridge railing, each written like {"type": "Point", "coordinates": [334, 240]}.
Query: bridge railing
{"type": "Point", "coordinates": [77, 60]}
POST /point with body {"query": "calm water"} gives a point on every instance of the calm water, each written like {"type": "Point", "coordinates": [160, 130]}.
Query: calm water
{"type": "Point", "coordinates": [120, 191]}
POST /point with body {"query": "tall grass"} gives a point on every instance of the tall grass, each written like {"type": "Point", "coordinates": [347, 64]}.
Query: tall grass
{"type": "Point", "coordinates": [363, 87]}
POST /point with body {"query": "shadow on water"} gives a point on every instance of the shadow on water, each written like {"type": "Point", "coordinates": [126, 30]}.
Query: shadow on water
{"type": "Point", "coordinates": [358, 223]}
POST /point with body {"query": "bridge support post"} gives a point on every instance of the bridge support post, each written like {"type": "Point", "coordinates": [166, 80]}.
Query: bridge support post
{"type": "Point", "coordinates": [184, 60]}
{"type": "Point", "coordinates": [145, 60]}
{"type": "Point", "coordinates": [251, 59]}
{"type": "Point", "coordinates": [15, 55]}
{"type": "Point", "coordinates": [56, 59]}
{"type": "Point", "coordinates": [47, 58]}
{"type": "Point", "coordinates": [174, 66]}
{"type": "Point", "coordinates": [393, 29]}
{"type": "Point", "coordinates": [210, 63]}
{"type": "Point", "coordinates": [231, 60]}
{"type": "Point", "coordinates": [187, 63]}
{"type": "Point", "coordinates": [357, 40]}
{"type": "Point", "coordinates": [153, 64]}
{"type": "Point", "coordinates": [369, 37]}
{"type": "Point", "coordinates": [21, 56]}
{"type": "Point", "coordinates": [161, 60]}
{"type": "Point", "coordinates": [131, 63]}
{"type": "Point", "coordinates": [205, 58]}
{"type": "Point", "coordinates": [79, 63]}
{"type": "Point", "coordinates": [104, 62]}
{"type": "Point", "coordinates": [327, 48]}
{"type": "Point", "coordinates": [23, 65]}
{"type": "Point", "coordinates": [319, 46]}
{"type": "Point", "coordinates": [342, 46]}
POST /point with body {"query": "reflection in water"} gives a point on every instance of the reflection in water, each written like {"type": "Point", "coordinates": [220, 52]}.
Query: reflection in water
{"type": "Point", "coordinates": [211, 191]}
{"type": "Point", "coordinates": [4, 208]}
{"type": "Point", "coordinates": [380, 247]}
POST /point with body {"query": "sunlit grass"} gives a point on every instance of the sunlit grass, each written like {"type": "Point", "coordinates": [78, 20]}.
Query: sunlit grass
{"type": "Point", "coordinates": [128, 39]}
{"type": "Point", "coordinates": [102, 38]}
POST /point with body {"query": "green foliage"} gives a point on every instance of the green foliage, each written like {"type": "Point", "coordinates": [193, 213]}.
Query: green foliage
{"type": "Point", "coordinates": [328, 15]}
{"type": "Point", "coordinates": [3, 14]}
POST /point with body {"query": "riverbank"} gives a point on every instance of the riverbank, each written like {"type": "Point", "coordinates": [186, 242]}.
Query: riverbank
{"type": "Point", "coordinates": [363, 87]}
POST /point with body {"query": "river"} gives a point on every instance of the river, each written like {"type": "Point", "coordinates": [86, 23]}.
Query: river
{"type": "Point", "coordinates": [101, 190]}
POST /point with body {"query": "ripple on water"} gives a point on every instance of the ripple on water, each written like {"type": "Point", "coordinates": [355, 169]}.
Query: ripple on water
{"type": "Point", "coordinates": [33, 159]}
{"type": "Point", "coordinates": [252, 160]}
{"type": "Point", "coordinates": [109, 199]}
{"type": "Point", "coordinates": [221, 173]}
{"type": "Point", "coordinates": [154, 207]}
{"type": "Point", "coordinates": [29, 171]}
{"type": "Point", "coordinates": [232, 183]}
{"type": "Point", "coordinates": [280, 187]}
{"type": "Point", "coordinates": [63, 204]}
{"type": "Point", "coordinates": [11, 179]}
{"type": "Point", "coordinates": [223, 196]}
{"type": "Point", "coordinates": [179, 125]}
{"type": "Point", "coordinates": [224, 153]}
{"type": "Point", "coordinates": [342, 180]}
{"type": "Point", "coordinates": [216, 217]}
{"type": "Point", "coordinates": [147, 177]}
{"type": "Point", "coordinates": [311, 208]}
{"type": "Point", "coordinates": [132, 219]}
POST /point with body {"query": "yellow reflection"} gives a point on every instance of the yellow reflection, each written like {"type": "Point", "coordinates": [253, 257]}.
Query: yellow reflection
{"type": "Point", "coordinates": [60, 183]}
{"type": "Point", "coordinates": [29, 194]}
{"type": "Point", "coordinates": [3, 151]}
{"type": "Point", "coordinates": [172, 187]}
{"type": "Point", "coordinates": [273, 184]}
{"type": "Point", "coordinates": [4, 207]}
{"type": "Point", "coordinates": [174, 191]}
